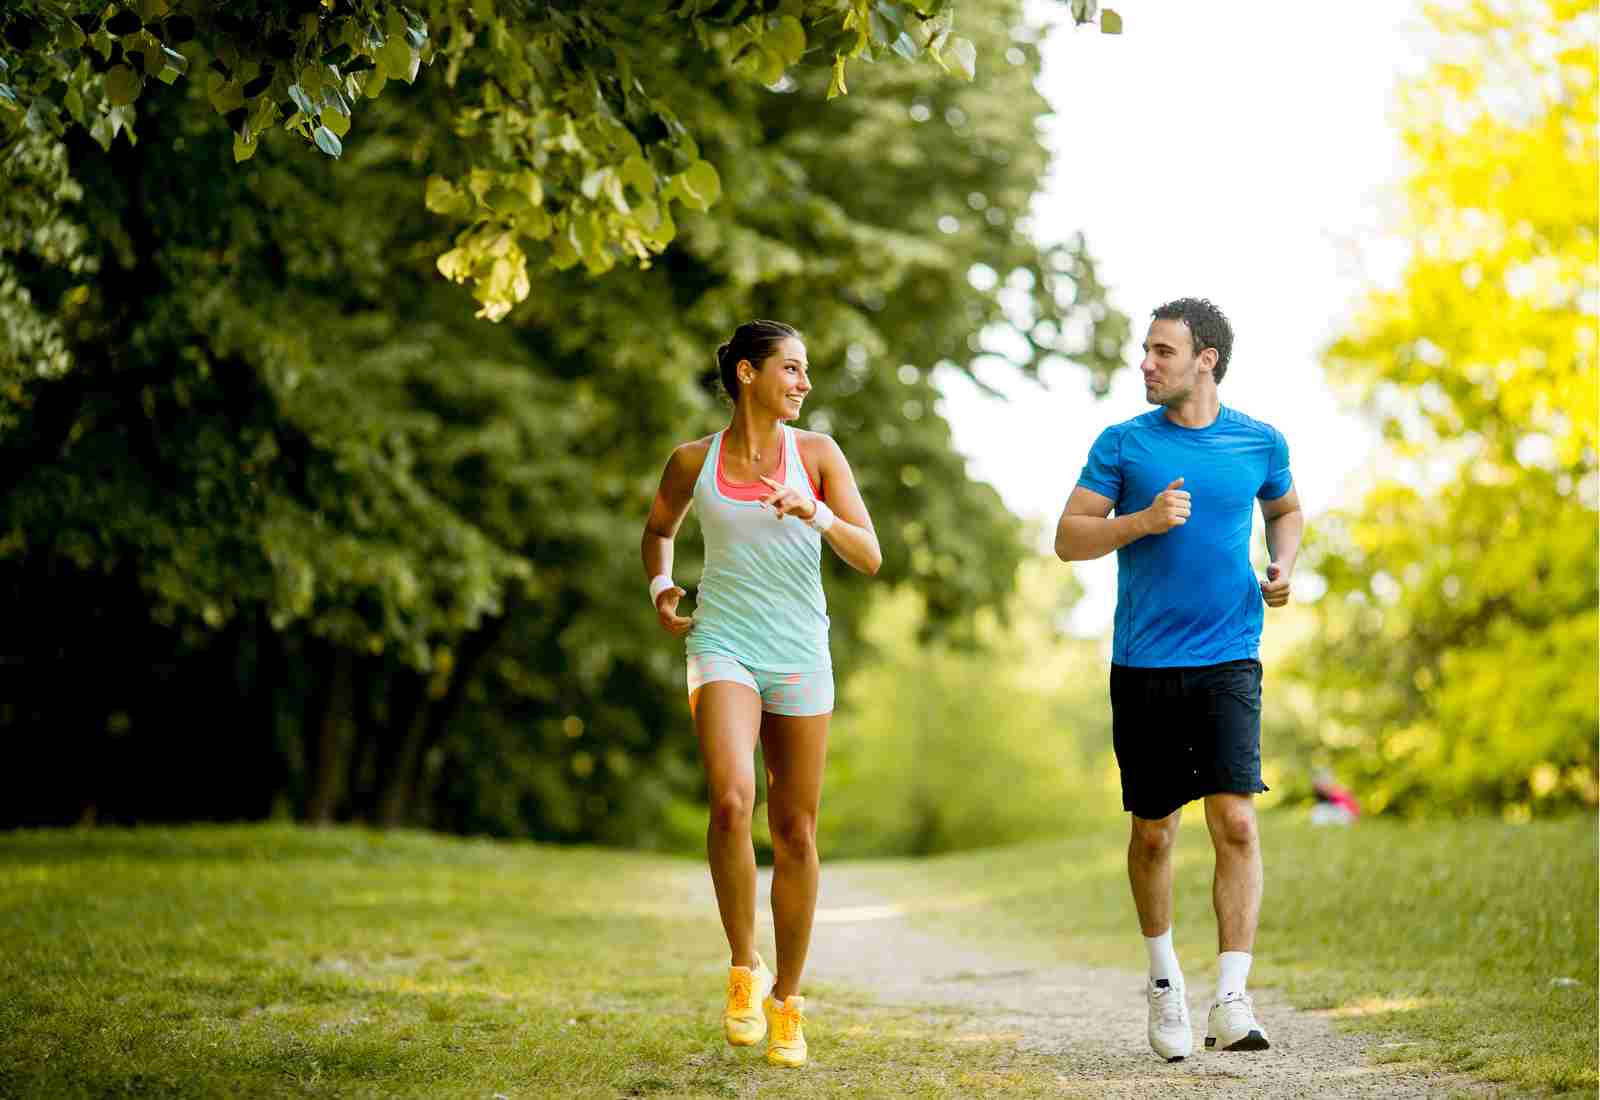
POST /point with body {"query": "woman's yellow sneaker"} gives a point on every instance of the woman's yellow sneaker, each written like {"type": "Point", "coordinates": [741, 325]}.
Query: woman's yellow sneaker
{"type": "Point", "coordinates": [743, 1022]}
{"type": "Point", "coordinates": [787, 1044]}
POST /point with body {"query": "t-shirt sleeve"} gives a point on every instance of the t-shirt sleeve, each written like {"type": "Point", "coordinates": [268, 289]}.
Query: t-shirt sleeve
{"type": "Point", "coordinates": [1102, 473]}
{"type": "Point", "coordinates": [1279, 480]}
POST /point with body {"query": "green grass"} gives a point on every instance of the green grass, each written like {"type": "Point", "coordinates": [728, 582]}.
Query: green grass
{"type": "Point", "coordinates": [272, 961]}
{"type": "Point", "coordinates": [1442, 938]}
{"type": "Point", "coordinates": [278, 962]}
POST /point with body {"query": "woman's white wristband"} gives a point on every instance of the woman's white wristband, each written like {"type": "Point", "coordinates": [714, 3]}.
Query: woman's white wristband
{"type": "Point", "coordinates": [659, 584]}
{"type": "Point", "coordinates": [822, 518]}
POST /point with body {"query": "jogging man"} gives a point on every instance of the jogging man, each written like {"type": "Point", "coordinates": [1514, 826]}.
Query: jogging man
{"type": "Point", "coordinates": [1185, 678]}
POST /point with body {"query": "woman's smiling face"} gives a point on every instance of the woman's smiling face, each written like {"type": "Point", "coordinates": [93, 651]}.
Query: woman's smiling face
{"type": "Point", "coordinates": [779, 384]}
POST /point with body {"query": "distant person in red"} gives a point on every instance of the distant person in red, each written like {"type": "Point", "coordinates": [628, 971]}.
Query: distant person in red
{"type": "Point", "coordinates": [1335, 805]}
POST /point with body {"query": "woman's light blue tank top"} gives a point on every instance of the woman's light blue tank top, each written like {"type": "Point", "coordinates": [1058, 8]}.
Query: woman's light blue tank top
{"type": "Point", "coordinates": [760, 599]}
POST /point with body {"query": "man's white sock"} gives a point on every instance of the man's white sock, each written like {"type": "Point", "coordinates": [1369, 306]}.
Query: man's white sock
{"type": "Point", "coordinates": [1163, 959]}
{"type": "Point", "coordinates": [1233, 968]}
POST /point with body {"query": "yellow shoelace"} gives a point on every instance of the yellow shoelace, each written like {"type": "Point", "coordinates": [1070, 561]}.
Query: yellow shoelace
{"type": "Point", "coordinates": [787, 1024]}
{"type": "Point", "coordinates": [739, 986]}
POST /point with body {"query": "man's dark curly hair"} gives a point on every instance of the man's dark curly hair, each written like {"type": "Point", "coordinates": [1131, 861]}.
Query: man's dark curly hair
{"type": "Point", "coordinates": [1208, 327]}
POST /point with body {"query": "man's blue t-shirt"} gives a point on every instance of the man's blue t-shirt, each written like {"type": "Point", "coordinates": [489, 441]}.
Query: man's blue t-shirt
{"type": "Point", "coordinates": [1189, 596]}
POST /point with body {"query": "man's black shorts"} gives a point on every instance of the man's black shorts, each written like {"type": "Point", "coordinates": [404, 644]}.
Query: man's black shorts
{"type": "Point", "coordinates": [1183, 733]}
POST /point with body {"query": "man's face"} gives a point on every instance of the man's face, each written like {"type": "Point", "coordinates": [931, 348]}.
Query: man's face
{"type": "Point", "coordinates": [1171, 368]}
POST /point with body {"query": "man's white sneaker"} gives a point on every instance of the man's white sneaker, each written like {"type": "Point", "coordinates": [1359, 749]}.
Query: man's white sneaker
{"type": "Point", "coordinates": [1170, 1033]}
{"type": "Point", "coordinates": [1232, 1025]}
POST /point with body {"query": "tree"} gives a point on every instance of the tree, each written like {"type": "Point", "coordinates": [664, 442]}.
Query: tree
{"type": "Point", "coordinates": [1455, 658]}
{"type": "Point", "coordinates": [1011, 740]}
{"type": "Point", "coordinates": [305, 512]}
{"type": "Point", "coordinates": [573, 110]}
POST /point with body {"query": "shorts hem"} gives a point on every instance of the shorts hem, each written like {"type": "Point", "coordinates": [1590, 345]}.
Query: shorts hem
{"type": "Point", "coordinates": [783, 713]}
{"type": "Point", "coordinates": [1195, 797]}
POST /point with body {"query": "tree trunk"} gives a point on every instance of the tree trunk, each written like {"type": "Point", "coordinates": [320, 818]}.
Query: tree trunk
{"type": "Point", "coordinates": [403, 792]}
{"type": "Point", "coordinates": [325, 727]}
{"type": "Point", "coordinates": [265, 678]}
{"type": "Point", "coordinates": [408, 692]}
{"type": "Point", "coordinates": [367, 754]}
{"type": "Point", "coordinates": [394, 796]}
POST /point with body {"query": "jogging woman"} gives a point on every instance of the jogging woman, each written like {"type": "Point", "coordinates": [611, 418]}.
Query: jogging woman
{"type": "Point", "coordinates": [758, 661]}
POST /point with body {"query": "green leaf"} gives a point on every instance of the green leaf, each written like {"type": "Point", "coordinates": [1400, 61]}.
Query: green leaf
{"type": "Point", "coordinates": [788, 38]}
{"type": "Point", "coordinates": [243, 150]}
{"type": "Point", "coordinates": [701, 184]}
{"type": "Point", "coordinates": [506, 201]}
{"type": "Point", "coordinates": [41, 117]}
{"type": "Point", "coordinates": [328, 142]}
{"type": "Point", "coordinates": [1110, 22]}
{"type": "Point", "coordinates": [443, 197]}
{"type": "Point", "coordinates": [225, 95]}
{"type": "Point", "coordinates": [455, 265]}
{"type": "Point", "coordinates": [336, 122]}
{"type": "Point", "coordinates": [122, 85]}
{"type": "Point", "coordinates": [923, 31]}
{"type": "Point", "coordinates": [761, 63]}
{"type": "Point", "coordinates": [531, 186]}
{"type": "Point", "coordinates": [614, 193]}
{"type": "Point", "coordinates": [660, 230]}
{"type": "Point", "coordinates": [836, 86]}
{"type": "Point", "coordinates": [535, 223]}
{"type": "Point", "coordinates": [637, 173]}
{"type": "Point", "coordinates": [9, 94]}
{"type": "Point", "coordinates": [771, 66]}
{"type": "Point", "coordinates": [101, 132]}
{"type": "Point", "coordinates": [893, 14]}
{"type": "Point", "coordinates": [964, 55]}
{"type": "Point", "coordinates": [334, 99]}
{"type": "Point", "coordinates": [302, 100]}
{"type": "Point", "coordinates": [395, 59]}
{"type": "Point", "coordinates": [563, 250]}
{"type": "Point", "coordinates": [883, 31]}
{"type": "Point", "coordinates": [906, 47]}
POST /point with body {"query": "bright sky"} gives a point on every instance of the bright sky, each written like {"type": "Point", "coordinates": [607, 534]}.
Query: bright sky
{"type": "Point", "coordinates": [1244, 152]}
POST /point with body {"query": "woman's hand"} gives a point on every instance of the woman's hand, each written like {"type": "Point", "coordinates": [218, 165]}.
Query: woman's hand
{"type": "Point", "coordinates": [788, 502]}
{"type": "Point", "coordinates": [667, 611]}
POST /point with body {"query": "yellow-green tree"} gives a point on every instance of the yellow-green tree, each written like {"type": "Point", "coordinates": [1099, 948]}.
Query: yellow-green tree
{"type": "Point", "coordinates": [1455, 660]}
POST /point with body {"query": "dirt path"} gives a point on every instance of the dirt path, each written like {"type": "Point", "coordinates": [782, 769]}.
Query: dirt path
{"type": "Point", "coordinates": [1090, 1019]}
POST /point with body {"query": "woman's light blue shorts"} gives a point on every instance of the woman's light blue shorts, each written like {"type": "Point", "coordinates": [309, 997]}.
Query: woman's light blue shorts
{"type": "Point", "coordinates": [795, 694]}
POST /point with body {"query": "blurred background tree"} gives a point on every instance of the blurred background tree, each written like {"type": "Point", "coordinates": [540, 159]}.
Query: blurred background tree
{"type": "Point", "coordinates": [942, 746]}
{"type": "Point", "coordinates": [1454, 657]}
{"type": "Point", "coordinates": [286, 532]}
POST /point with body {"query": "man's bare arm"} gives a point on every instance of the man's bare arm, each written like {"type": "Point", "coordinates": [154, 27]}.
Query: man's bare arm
{"type": "Point", "coordinates": [1087, 530]}
{"type": "Point", "coordinates": [1285, 524]}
